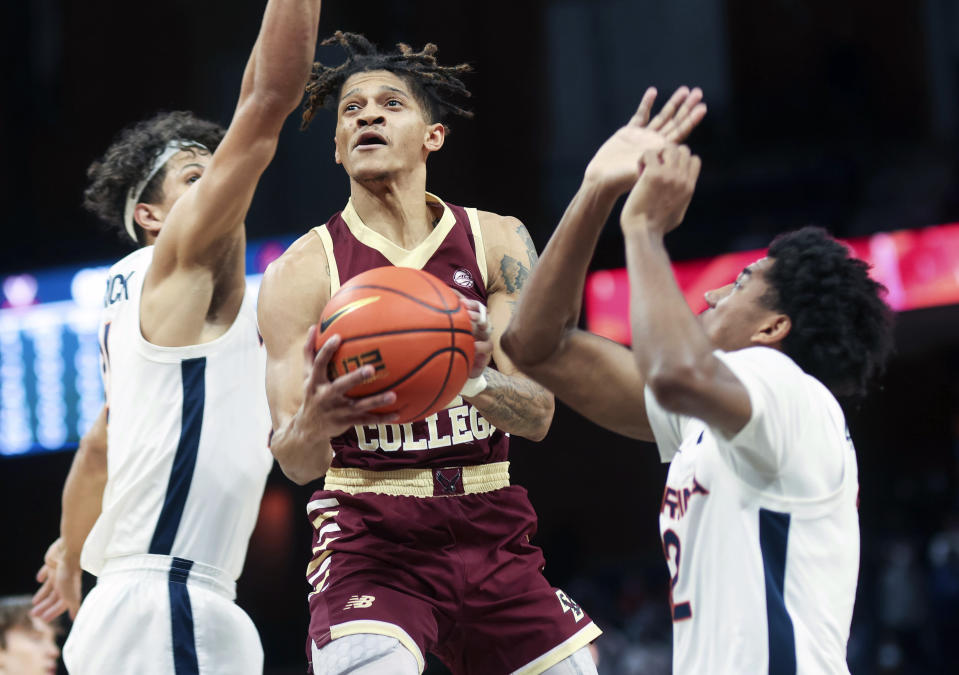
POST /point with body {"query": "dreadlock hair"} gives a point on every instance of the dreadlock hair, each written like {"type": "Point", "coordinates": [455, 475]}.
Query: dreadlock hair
{"type": "Point", "coordinates": [129, 159]}
{"type": "Point", "coordinates": [841, 328]}
{"type": "Point", "coordinates": [433, 85]}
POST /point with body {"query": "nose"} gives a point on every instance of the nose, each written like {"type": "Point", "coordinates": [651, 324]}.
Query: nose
{"type": "Point", "coordinates": [370, 118]}
{"type": "Point", "coordinates": [714, 296]}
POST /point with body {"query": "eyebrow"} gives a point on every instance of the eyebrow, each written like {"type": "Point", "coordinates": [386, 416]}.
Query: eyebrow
{"type": "Point", "coordinates": [191, 164]}
{"type": "Point", "coordinates": [383, 88]}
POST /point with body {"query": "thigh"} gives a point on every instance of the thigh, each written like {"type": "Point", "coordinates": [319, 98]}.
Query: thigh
{"type": "Point", "coordinates": [227, 642]}
{"type": "Point", "coordinates": [362, 604]}
{"type": "Point", "coordinates": [364, 654]}
{"type": "Point", "coordinates": [123, 627]}
{"type": "Point", "coordinates": [512, 619]}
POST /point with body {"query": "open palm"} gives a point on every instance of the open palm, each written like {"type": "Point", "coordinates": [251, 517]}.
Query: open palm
{"type": "Point", "coordinates": [616, 164]}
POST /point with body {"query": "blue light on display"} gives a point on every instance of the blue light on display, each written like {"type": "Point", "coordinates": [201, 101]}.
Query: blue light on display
{"type": "Point", "coordinates": [50, 385]}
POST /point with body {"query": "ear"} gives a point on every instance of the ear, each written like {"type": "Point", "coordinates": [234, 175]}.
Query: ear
{"type": "Point", "coordinates": [435, 137]}
{"type": "Point", "coordinates": [336, 152]}
{"type": "Point", "coordinates": [149, 217]}
{"type": "Point", "coordinates": [772, 331]}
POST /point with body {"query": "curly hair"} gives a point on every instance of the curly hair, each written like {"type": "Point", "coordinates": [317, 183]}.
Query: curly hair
{"type": "Point", "coordinates": [433, 85]}
{"type": "Point", "coordinates": [130, 157]}
{"type": "Point", "coordinates": [841, 328]}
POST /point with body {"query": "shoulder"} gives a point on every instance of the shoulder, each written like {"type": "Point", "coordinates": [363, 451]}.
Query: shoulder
{"type": "Point", "coordinates": [300, 276]}
{"type": "Point", "coordinates": [762, 361]}
{"type": "Point", "coordinates": [497, 228]}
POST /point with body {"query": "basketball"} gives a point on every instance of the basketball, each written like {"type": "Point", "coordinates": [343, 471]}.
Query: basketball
{"type": "Point", "coordinates": [411, 328]}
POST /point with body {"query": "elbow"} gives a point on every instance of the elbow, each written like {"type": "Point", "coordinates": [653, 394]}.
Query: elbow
{"type": "Point", "coordinates": [674, 387]}
{"type": "Point", "coordinates": [296, 475]}
{"type": "Point", "coordinates": [302, 468]}
{"type": "Point", "coordinates": [527, 352]}
{"type": "Point", "coordinates": [542, 423]}
{"type": "Point", "coordinates": [513, 347]}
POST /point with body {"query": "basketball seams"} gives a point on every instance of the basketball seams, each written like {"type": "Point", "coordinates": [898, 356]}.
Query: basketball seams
{"type": "Point", "coordinates": [422, 364]}
{"type": "Point", "coordinates": [412, 298]}
{"type": "Point", "coordinates": [449, 366]}
{"type": "Point", "coordinates": [402, 331]}
{"type": "Point", "coordinates": [396, 283]}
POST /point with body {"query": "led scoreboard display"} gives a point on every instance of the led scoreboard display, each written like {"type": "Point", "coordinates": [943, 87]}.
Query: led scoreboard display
{"type": "Point", "coordinates": [50, 385]}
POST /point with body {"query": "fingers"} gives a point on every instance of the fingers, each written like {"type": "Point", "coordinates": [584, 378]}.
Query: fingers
{"type": "Point", "coordinates": [354, 378]}
{"type": "Point", "coordinates": [672, 105]}
{"type": "Point", "coordinates": [689, 103]}
{"type": "Point", "coordinates": [47, 603]}
{"type": "Point", "coordinates": [641, 117]}
{"type": "Point", "coordinates": [685, 126]}
{"type": "Point", "coordinates": [44, 591]}
{"type": "Point", "coordinates": [479, 320]}
{"type": "Point", "coordinates": [321, 360]}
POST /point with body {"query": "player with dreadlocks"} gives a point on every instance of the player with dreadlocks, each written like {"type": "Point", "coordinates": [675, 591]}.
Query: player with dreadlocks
{"type": "Point", "coordinates": [165, 488]}
{"type": "Point", "coordinates": [420, 543]}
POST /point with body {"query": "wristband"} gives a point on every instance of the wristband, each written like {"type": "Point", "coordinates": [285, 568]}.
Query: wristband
{"type": "Point", "coordinates": [474, 386]}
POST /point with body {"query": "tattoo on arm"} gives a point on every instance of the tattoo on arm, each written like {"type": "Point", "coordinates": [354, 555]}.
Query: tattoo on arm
{"type": "Point", "coordinates": [513, 404]}
{"type": "Point", "coordinates": [514, 273]}
{"type": "Point", "coordinates": [530, 247]}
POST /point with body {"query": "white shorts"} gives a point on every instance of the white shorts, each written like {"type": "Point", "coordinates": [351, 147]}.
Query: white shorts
{"type": "Point", "coordinates": [156, 614]}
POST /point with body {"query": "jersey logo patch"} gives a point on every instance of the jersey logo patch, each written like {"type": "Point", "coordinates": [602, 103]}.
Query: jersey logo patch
{"type": "Point", "coordinates": [346, 309]}
{"type": "Point", "coordinates": [359, 602]}
{"type": "Point", "coordinates": [570, 606]}
{"type": "Point", "coordinates": [462, 277]}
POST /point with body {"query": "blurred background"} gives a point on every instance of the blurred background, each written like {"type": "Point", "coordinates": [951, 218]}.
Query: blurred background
{"type": "Point", "coordinates": [841, 113]}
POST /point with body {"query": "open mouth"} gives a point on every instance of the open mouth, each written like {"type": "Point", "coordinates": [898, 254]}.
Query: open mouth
{"type": "Point", "coordinates": [370, 138]}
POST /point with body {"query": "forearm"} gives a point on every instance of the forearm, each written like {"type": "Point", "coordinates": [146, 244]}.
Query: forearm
{"type": "Point", "coordinates": [283, 55]}
{"type": "Point", "coordinates": [82, 498]}
{"type": "Point", "coordinates": [515, 404]}
{"type": "Point", "coordinates": [668, 342]}
{"type": "Point", "coordinates": [552, 297]}
{"type": "Point", "coordinates": [302, 456]}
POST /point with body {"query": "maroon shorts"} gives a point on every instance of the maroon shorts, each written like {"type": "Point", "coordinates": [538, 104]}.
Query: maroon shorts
{"type": "Point", "coordinates": [455, 576]}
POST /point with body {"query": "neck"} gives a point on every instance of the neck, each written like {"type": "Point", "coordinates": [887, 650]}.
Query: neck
{"type": "Point", "coordinates": [395, 209]}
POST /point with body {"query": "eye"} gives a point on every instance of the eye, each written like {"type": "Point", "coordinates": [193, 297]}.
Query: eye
{"type": "Point", "coordinates": [350, 107]}
{"type": "Point", "coordinates": [192, 178]}
{"type": "Point", "coordinates": [392, 103]}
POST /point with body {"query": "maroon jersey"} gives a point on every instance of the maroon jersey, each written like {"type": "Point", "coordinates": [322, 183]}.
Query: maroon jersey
{"type": "Point", "coordinates": [454, 253]}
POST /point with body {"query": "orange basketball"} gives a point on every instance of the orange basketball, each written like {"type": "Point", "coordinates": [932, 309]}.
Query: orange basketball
{"type": "Point", "coordinates": [411, 328]}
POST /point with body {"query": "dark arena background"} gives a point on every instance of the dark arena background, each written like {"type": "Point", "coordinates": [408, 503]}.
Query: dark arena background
{"type": "Point", "coordinates": [842, 113]}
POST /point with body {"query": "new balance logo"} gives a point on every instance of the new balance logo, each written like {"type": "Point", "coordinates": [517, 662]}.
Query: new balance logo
{"type": "Point", "coordinates": [359, 602]}
{"type": "Point", "coordinates": [570, 606]}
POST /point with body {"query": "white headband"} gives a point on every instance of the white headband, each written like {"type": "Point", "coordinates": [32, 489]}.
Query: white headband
{"type": "Point", "coordinates": [133, 196]}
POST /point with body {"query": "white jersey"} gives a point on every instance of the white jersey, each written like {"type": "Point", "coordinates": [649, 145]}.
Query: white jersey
{"type": "Point", "coordinates": [187, 434]}
{"type": "Point", "coordinates": [761, 531]}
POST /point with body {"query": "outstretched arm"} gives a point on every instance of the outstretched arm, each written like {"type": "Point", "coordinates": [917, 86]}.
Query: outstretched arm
{"type": "Point", "coordinates": [596, 377]}
{"type": "Point", "coordinates": [199, 254]}
{"type": "Point", "coordinates": [673, 354]}
{"type": "Point", "coordinates": [82, 503]}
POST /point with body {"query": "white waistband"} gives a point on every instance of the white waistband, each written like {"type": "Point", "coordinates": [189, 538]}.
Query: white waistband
{"type": "Point", "coordinates": [194, 572]}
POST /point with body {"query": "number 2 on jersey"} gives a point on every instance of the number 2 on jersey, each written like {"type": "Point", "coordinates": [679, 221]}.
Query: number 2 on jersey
{"type": "Point", "coordinates": [671, 546]}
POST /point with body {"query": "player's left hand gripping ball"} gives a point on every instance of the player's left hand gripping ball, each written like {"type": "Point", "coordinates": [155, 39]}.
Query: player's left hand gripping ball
{"type": "Point", "coordinates": [479, 322]}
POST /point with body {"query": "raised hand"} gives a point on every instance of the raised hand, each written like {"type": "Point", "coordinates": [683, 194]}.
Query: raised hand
{"type": "Point", "coordinates": [60, 585]}
{"type": "Point", "coordinates": [615, 166]}
{"type": "Point", "coordinates": [482, 335]}
{"type": "Point", "coordinates": [661, 195]}
{"type": "Point", "coordinates": [326, 408]}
